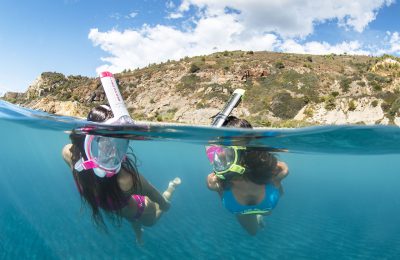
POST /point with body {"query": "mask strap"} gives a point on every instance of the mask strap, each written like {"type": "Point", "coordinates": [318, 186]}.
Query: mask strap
{"type": "Point", "coordinates": [85, 165]}
{"type": "Point", "coordinates": [237, 168]}
{"type": "Point", "coordinates": [78, 165]}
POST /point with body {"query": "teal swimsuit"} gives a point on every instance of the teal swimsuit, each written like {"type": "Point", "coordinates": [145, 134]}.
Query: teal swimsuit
{"type": "Point", "coordinates": [271, 198]}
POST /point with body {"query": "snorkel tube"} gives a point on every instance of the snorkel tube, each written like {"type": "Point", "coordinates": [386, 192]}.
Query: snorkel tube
{"type": "Point", "coordinates": [229, 106]}
{"type": "Point", "coordinates": [104, 155]}
{"type": "Point", "coordinates": [117, 104]}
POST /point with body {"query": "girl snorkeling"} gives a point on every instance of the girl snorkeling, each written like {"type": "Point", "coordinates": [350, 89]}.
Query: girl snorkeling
{"type": "Point", "coordinates": [248, 179]}
{"type": "Point", "coordinates": [109, 182]}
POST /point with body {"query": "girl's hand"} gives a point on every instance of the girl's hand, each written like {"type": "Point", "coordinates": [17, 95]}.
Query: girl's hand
{"type": "Point", "coordinates": [213, 182]}
{"type": "Point", "coordinates": [283, 170]}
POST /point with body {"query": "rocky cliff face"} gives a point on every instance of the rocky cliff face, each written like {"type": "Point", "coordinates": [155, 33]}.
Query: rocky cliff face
{"type": "Point", "coordinates": [283, 90]}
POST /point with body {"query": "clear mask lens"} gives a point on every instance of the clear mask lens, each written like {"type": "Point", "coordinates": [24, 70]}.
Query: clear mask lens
{"type": "Point", "coordinates": [109, 152]}
{"type": "Point", "coordinates": [221, 157]}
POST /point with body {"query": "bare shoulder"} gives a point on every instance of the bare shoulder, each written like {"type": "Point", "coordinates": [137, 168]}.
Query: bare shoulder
{"type": "Point", "coordinates": [125, 181]}
{"type": "Point", "coordinates": [67, 154]}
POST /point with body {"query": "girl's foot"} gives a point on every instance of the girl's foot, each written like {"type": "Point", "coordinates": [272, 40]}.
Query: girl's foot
{"type": "Point", "coordinates": [137, 227]}
{"type": "Point", "coordinates": [175, 182]}
{"type": "Point", "coordinates": [260, 220]}
{"type": "Point", "coordinates": [171, 188]}
{"type": "Point", "coordinates": [139, 239]}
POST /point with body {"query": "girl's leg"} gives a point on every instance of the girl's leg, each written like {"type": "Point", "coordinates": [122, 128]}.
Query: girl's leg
{"type": "Point", "coordinates": [249, 222]}
{"type": "Point", "coordinates": [152, 212]}
{"type": "Point", "coordinates": [171, 188]}
{"type": "Point", "coordinates": [167, 194]}
{"type": "Point", "coordinates": [137, 227]}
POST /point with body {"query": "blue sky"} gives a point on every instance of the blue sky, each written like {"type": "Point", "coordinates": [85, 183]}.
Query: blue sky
{"type": "Point", "coordinates": [83, 37]}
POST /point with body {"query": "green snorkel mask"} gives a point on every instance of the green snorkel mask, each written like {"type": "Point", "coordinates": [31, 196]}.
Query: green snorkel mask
{"type": "Point", "coordinates": [225, 160]}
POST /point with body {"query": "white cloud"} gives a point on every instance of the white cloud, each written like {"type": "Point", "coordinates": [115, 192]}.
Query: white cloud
{"type": "Point", "coordinates": [115, 16]}
{"type": "Point", "coordinates": [253, 25]}
{"type": "Point", "coordinates": [132, 15]}
{"type": "Point", "coordinates": [131, 49]}
{"type": "Point", "coordinates": [118, 16]}
{"type": "Point", "coordinates": [395, 43]}
{"type": "Point", "coordinates": [389, 45]}
{"type": "Point", "coordinates": [313, 47]}
{"type": "Point", "coordinates": [170, 4]}
{"type": "Point", "coordinates": [175, 15]}
{"type": "Point", "coordinates": [292, 18]}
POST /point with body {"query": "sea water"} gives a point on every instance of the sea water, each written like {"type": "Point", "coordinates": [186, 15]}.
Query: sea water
{"type": "Point", "coordinates": [341, 199]}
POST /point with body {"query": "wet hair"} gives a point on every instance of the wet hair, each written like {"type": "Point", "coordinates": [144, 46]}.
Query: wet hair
{"type": "Point", "coordinates": [260, 164]}
{"type": "Point", "coordinates": [233, 121]}
{"type": "Point", "coordinates": [100, 114]}
{"type": "Point", "coordinates": [101, 193]}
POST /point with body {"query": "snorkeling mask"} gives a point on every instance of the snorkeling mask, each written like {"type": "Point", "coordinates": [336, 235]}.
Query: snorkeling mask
{"type": "Point", "coordinates": [224, 160]}
{"type": "Point", "coordinates": [105, 154]}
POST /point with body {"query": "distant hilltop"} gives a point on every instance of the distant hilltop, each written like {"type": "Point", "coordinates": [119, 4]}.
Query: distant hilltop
{"type": "Point", "coordinates": [282, 90]}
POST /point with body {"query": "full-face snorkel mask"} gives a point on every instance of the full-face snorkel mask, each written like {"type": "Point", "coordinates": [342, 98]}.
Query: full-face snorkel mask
{"type": "Point", "coordinates": [105, 154]}
{"type": "Point", "coordinates": [224, 159]}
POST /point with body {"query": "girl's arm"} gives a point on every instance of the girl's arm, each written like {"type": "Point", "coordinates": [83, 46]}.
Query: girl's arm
{"type": "Point", "coordinates": [283, 171]}
{"type": "Point", "coordinates": [151, 192]}
{"type": "Point", "coordinates": [67, 155]}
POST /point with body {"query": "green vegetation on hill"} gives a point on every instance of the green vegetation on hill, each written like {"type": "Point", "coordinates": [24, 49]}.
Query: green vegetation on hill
{"type": "Point", "coordinates": [278, 86]}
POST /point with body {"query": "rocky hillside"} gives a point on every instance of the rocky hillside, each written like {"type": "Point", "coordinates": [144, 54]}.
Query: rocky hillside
{"type": "Point", "coordinates": [282, 90]}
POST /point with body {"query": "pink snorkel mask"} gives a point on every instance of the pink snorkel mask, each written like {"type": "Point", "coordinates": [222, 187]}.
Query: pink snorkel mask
{"type": "Point", "coordinates": [105, 154]}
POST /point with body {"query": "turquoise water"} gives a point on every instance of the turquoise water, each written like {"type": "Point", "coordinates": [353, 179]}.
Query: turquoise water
{"type": "Point", "coordinates": [341, 199]}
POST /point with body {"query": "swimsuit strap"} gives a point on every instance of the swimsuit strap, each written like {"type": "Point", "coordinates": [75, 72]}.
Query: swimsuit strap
{"type": "Point", "coordinates": [141, 204]}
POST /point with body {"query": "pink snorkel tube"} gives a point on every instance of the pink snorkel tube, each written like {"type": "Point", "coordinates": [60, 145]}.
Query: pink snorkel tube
{"type": "Point", "coordinates": [121, 116]}
{"type": "Point", "coordinates": [117, 104]}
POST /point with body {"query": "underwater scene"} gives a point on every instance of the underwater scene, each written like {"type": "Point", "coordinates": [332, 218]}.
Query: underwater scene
{"type": "Point", "coordinates": [340, 199]}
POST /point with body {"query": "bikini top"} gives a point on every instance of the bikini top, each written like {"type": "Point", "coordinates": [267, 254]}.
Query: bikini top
{"type": "Point", "coordinates": [269, 202]}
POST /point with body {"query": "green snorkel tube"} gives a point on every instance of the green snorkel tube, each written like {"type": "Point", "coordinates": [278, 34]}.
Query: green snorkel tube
{"type": "Point", "coordinates": [233, 102]}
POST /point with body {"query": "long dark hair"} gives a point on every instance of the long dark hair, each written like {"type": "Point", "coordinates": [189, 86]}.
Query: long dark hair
{"type": "Point", "coordinates": [101, 193]}
{"type": "Point", "coordinates": [233, 121]}
{"type": "Point", "coordinates": [260, 164]}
